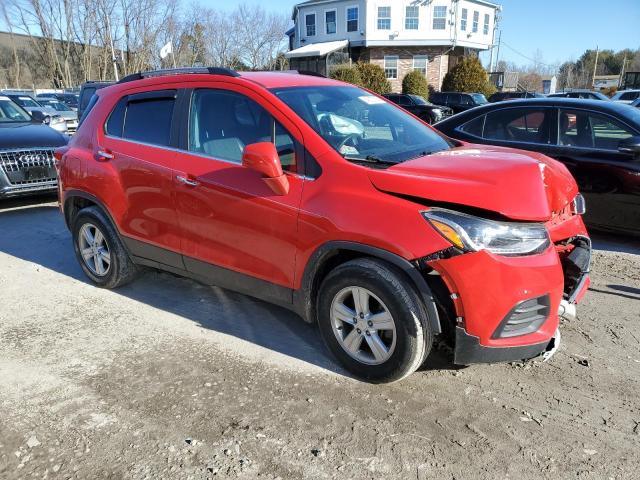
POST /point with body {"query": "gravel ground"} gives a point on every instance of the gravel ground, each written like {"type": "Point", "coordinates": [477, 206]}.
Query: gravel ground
{"type": "Point", "coordinates": [167, 378]}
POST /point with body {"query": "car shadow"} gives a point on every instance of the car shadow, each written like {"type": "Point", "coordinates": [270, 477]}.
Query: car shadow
{"type": "Point", "coordinates": [631, 293]}
{"type": "Point", "coordinates": [35, 232]}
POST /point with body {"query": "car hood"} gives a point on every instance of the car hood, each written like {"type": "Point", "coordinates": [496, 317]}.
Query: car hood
{"type": "Point", "coordinates": [516, 184]}
{"type": "Point", "coordinates": [28, 135]}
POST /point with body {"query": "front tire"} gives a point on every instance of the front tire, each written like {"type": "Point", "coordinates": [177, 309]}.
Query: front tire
{"type": "Point", "coordinates": [100, 251]}
{"type": "Point", "coordinates": [373, 321]}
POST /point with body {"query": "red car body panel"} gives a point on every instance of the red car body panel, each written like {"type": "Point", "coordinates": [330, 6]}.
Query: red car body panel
{"type": "Point", "coordinates": [232, 219]}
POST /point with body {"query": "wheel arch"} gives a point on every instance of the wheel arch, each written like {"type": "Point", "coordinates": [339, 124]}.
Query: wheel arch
{"type": "Point", "coordinates": [331, 254]}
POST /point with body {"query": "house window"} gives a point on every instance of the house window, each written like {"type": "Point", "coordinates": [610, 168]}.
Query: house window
{"type": "Point", "coordinates": [384, 18]}
{"type": "Point", "coordinates": [463, 20]}
{"type": "Point", "coordinates": [476, 17]}
{"type": "Point", "coordinates": [391, 67]}
{"type": "Point", "coordinates": [330, 22]}
{"type": "Point", "coordinates": [352, 19]}
{"type": "Point", "coordinates": [420, 64]}
{"type": "Point", "coordinates": [485, 30]}
{"type": "Point", "coordinates": [439, 18]}
{"type": "Point", "coordinates": [310, 23]}
{"type": "Point", "coordinates": [411, 19]}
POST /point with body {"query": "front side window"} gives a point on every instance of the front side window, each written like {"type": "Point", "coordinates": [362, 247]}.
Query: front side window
{"type": "Point", "coordinates": [362, 126]}
{"type": "Point", "coordinates": [578, 128]}
{"type": "Point", "coordinates": [420, 64]}
{"type": "Point", "coordinates": [330, 22]}
{"type": "Point", "coordinates": [352, 19]}
{"type": "Point", "coordinates": [384, 18]}
{"type": "Point", "coordinates": [529, 125]}
{"type": "Point", "coordinates": [463, 20]}
{"type": "Point", "coordinates": [391, 67]}
{"type": "Point", "coordinates": [222, 123]}
{"type": "Point", "coordinates": [485, 29]}
{"type": "Point", "coordinates": [439, 17]}
{"type": "Point", "coordinates": [412, 19]}
{"type": "Point", "coordinates": [476, 19]}
{"type": "Point", "coordinates": [310, 23]}
{"type": "Point", "coordinates": [144, 118]}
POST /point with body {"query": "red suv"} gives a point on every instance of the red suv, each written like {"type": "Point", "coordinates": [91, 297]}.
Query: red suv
{"type": "Point", "coordinates": [328, 200]}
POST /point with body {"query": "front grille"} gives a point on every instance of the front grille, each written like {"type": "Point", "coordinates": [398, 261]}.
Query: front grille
{"type": "Point", "coordinates": [28, 166]}
{"type": "Point", "coordinates": [526, 317]}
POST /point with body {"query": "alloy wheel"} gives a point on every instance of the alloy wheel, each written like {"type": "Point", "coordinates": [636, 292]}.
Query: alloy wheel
{"type": "Point", "coordinates": [94, 250]}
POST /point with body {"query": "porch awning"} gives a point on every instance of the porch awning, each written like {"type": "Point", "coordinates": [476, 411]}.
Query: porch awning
{"type": "Point", "coordinates": [317, 49]}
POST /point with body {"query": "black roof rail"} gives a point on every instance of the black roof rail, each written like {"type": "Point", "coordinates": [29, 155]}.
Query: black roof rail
{"type": "Point", "coordinates": [180, 71]}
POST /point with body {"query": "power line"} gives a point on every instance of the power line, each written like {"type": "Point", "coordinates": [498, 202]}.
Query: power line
{"type": "Point", "coordinates": [526, 57]}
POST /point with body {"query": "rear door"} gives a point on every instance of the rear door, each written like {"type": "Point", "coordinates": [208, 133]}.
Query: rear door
{"type": "Point", "coordinates": [235, 230]}
{"type": "Point", "coordinates": [137, 145]}
{"type": "Point", "coordinates": [609, 179]}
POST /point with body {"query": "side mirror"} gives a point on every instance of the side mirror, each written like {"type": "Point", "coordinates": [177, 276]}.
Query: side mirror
{"type": "Point", "coordinates": [39, 117]}
{"type": "Point", "coordinates": [630, 146]}
{"type": "Point", "coordinates": [263, 158]}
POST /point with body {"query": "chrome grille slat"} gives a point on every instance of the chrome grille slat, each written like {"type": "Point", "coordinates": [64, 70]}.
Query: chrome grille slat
{"type": "Point", "coordinates": [16, 161]}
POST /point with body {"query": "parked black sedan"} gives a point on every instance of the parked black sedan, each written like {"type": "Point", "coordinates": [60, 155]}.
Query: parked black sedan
{"type": "Point", "coordinates": [26, 152]}
{"type": "Point", "coordinates": [417, 105]}
{"type": "Point", "coordinates": [598, 141]}
{"type": "Point", "coordinates": [458, 101]}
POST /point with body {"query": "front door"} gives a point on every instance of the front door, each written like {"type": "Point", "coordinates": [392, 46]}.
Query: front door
{"type": "Point", "coordinates": [236, 231]}
{"type": "Point", "coordinates": [608, 179]}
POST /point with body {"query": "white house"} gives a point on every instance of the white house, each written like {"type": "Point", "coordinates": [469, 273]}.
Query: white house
{"type": "Point", "coordinates": [399, 35]}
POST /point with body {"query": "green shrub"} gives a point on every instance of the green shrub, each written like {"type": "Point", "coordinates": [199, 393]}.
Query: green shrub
{"type": "Point", "coordinates": [373, 78]}
{"type": "Point", "coordinates": [468, 76]}
{"type": "Point", "coordinates": [346, 73]}
{"type": "Point", "coordinates": [415, 83]}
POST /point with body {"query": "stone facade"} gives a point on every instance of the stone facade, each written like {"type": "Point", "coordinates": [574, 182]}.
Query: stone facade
{"type": "Point", "coordinates": [438, 59]}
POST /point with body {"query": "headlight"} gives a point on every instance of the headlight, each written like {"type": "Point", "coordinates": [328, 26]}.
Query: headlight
{"type": "Point", "coordinates": [578, 205]}
{"type": "Point", "coordinates": [437, 112]}
{"type": "Point", "coordinates": [57, 120]}
{"type": "Point", "coordinates": [473, 234]}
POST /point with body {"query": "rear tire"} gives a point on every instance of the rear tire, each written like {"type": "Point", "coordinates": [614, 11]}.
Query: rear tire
{"type": "Point", "coordinates": [99, 250]}
{"type": "Point", "coordinates": [373, 321]}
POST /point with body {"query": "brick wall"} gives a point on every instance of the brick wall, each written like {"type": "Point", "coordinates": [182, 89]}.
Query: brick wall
{"type": "Point", "coordinates": [436, 62]}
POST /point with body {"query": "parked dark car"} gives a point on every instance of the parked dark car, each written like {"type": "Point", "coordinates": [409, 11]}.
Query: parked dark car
{"type": "Point", "coordinates": [586, 94]}
{"type": "Point", "coordinates": [86, 92]}
{"type": "Point", "coordinates": [26, 152]}
{"type": "Point", "coordinates": [69, 99]}
{"type": "Point", "coordinates": [599, 142]}
{"type": "Point", "coordinates": [636, 103]}
{"type": "Point", "coordinates": [421, 108]}
{"type": "Point", "coordinates": [458, 101]}
{"type": "Point", "coordinates": [502, 96]}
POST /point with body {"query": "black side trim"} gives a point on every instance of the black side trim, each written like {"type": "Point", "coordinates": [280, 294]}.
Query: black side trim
{"type": "Point", "coordinates": [138, 249]}
{"type": "Point", "coordinates": [468, 350]}
{"type": "Point", "coordinates": [303, 300]}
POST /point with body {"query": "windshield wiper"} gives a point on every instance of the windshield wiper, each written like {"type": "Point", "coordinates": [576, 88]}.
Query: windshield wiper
{"type": "Point", "coordinates": [369, 159]}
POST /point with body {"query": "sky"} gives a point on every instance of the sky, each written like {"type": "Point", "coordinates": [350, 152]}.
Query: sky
{"type": "Point", "coordinates": [561, 29]}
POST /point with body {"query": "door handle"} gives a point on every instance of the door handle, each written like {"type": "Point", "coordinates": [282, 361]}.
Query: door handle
{"type": "Point", "coordinates": [104, 155]}
{"type": "Point", "coordinates": [187, 181]}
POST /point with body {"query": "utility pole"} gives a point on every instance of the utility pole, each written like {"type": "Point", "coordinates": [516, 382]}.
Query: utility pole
{"type": "Point", "coordinates": [498, 52]}
{"type": "Point", "coordinates": [595, 66]}
{"type": "Point", "coordinates": [113, 52]}
{"type": "Point", "coordinates": [624, 64]}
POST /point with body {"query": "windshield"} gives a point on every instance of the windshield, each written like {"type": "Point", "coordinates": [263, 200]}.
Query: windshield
{"type": "Point", "coordinates": [10, 112]}
{"type": "Point", "coordinates": [361, 126]}
{"type": "Point", "coordinates": [479, 98]}
{"type": "Point", "coordinates": [419, 100]}
{"type": "Point", "coordinates": [27, 102]}
{"type": "Point", "coordinates": [59, 106]}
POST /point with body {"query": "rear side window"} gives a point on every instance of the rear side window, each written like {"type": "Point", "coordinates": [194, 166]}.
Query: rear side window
{"type": "Point", "coordinates": [530, 125]}
{"type": "Point", "coordinates": [144, 117]}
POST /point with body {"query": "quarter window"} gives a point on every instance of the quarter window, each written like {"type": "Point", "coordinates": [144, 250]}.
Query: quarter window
{"type": "Point", "coordinates": [420, 64]}
{"type": "Point", "coordinates": [310, 23]}
{"type": "Point", "coordinates": [330, 22]}
{"type": "Point", "coordinates": [439, 17]}
{"type": "Point", "coordinates": [485, 29]}
{"type": "Point", "coordinates": [391, 67]}
{"type": "Point", "coordinates": [475, 127]}
{"type": "Point", "coordinates": [579, 128]}
{"type": "Point", "coordinates": [222, 123]}
{"type": "Point", "coordinates": [528, 125]}
{"type": "Point", "coordinates": [384, 18]}
{"type": "Point", "coordinates": [476, 19]}
{"type": "Point", "coordinates": [412, 18]}
{"type": "Point", "coordinates": [352, 19]}
{"type": "Point", "coordinates": [463, 20]}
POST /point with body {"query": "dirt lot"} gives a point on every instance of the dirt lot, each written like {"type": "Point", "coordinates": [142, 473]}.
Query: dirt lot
{"type": "Point", "coordinates": [166, 378]}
